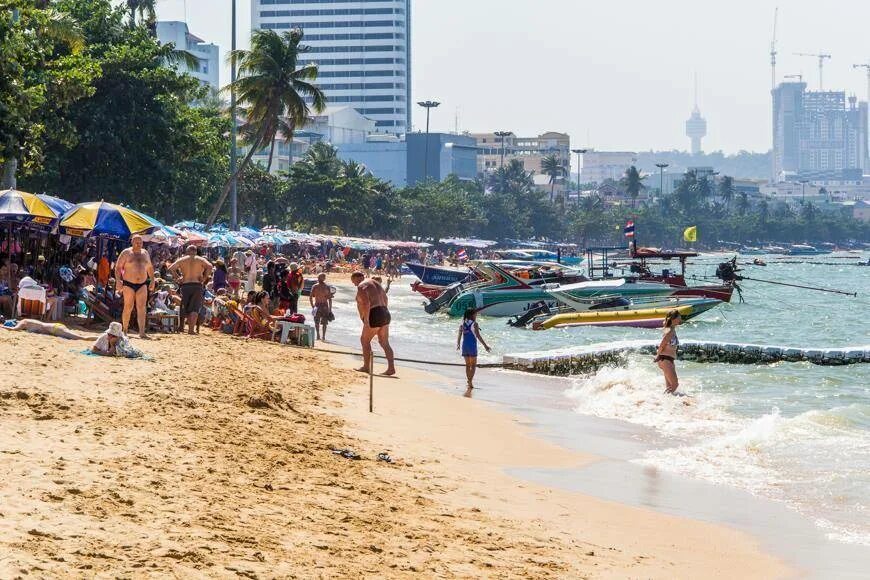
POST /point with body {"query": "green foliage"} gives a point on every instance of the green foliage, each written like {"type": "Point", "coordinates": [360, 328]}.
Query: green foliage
{"type": "Point", "coordinates": [272, 90]}
{"type": "Point", "coordinates": [134, 138]}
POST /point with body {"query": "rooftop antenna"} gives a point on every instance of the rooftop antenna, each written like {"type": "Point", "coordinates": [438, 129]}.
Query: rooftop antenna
{"type": "Point", "coordinates": [821, 58]}
{"type": "Point", "coordinates": [773, 51]}
{"type": "Point", "coordinates": [456, 121]}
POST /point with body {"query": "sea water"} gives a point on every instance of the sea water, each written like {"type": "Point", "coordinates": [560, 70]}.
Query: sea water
{"type": "Point", "coordinates": [793, 432]}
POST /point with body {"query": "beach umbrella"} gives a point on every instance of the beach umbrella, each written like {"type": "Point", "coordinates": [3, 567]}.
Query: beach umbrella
{"type": "Point", "coordinates": [189, 225]}
{"type": "Point", "coordinates": [195, 237]}
{"type": "Point", "coordinates": [60, 206]}
{"type": "Point", "coordinates": [22, 207]}
{"type": "Point", "coordinates": [248, 231]}
{"type": "Point", "coordinates": [106, 220]}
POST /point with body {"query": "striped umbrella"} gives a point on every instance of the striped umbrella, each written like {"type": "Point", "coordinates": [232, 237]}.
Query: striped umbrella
{"type": "Point", "coordinates": [106, 220]}
{"type": "Point", "coordinates": [60, 206]}
{"type": "Point", "coordinates": [22, 207]}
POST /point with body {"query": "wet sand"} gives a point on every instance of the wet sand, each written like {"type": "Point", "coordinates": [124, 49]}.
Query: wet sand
{"type": "Point", "coordinates": [215, 459]}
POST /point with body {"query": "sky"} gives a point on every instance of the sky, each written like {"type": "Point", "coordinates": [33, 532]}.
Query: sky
{"type": "Point", "coordinates": [614, 74]}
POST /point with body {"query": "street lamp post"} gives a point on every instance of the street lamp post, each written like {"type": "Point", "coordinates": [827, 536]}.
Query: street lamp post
{"type": "Point", "coordinates": [661, 167]}
{"type": "Point", "coordinates": [428, 105]}
{"type": "Point", "coordinates": [579, 152]}
{"type": "Point", "coordinates": [503, 135]}
{"type": "Point", "coordinates": [234, 198]}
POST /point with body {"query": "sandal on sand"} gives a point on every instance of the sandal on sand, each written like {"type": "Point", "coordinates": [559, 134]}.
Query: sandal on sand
{"type": "Point", "coordinates": [346, 453]}
{"type": "Point", "coordinates": [385, 457]}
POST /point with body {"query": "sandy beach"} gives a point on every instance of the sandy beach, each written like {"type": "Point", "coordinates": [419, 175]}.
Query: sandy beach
{"type": "Point", "coordinates": [215, 458]}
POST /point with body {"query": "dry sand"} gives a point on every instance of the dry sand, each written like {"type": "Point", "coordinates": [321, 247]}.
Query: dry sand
{"type": "Point", "coordinates": [215, 459]}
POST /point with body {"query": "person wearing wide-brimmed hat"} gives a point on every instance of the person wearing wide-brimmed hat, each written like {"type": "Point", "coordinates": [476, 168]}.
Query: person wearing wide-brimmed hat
{"type": "Point", "coordinates": [107, 343]}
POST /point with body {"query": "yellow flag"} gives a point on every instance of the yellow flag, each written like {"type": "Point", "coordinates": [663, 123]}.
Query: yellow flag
{"type": "Point", "coordinates": [691, 234]}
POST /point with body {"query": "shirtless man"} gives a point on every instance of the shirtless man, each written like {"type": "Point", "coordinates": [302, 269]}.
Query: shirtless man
{"type": "Point", "coordinates": [134, 277]}
{"type": "Point", "coordinates": [371, 301]}
{"type": "Point", "coordinates": [195, 272]}
{"type": "Point", "coordinates": [321, 299]}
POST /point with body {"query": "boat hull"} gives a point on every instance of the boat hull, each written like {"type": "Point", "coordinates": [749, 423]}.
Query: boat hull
{"type": "Point", "coordinates": [638, 318]}
{"type": "Point", "coordinates": [439, 275]}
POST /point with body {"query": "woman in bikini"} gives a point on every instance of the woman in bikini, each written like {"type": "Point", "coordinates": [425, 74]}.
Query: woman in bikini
{"type": "Point", "coordinates": [667, 351]}
{"type": "Point", "coordinates": [50, 328]}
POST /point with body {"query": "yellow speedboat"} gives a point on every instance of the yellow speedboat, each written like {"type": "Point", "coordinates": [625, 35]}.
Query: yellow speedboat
{"type": "Point", "coordinates": [642, 318]}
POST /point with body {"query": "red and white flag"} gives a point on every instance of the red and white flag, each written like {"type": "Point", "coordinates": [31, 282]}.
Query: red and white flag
{"type": "Point", "coordinates": [461, 255]}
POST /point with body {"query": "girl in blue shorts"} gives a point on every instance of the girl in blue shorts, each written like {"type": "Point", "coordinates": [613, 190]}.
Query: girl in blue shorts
{"type": "Point", "coordinates": [469, 334]}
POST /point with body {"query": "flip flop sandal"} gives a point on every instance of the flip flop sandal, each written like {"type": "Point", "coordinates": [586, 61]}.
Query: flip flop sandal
{"type": "Point", "coordinates": [385, 457]}
{"type": "Point", "coordinates": [346, 453]}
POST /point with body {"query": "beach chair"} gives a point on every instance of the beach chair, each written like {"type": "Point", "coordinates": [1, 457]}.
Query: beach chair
{"type": "Point", "coordinates": [97, 309]}
{"type": "Point", "coordinates": [252, 328]}
{"type": "Point", "coordinates": [32, 302]}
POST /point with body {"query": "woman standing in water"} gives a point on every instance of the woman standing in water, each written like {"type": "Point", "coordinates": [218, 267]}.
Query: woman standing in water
{"type": "Point", "coordinates": [469, 334]}
{"type": "Point", "coordinates": [667, 351]}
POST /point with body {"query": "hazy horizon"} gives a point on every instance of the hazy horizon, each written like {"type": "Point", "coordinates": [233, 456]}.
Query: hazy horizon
{"type": "Point", "coordinates": [615, 77]}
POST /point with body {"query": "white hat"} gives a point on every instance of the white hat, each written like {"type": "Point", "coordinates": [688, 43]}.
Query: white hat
{"type": "Point", "coordinates": [294, 266]}
{"type": "Point", "coordinates": [115, 329]}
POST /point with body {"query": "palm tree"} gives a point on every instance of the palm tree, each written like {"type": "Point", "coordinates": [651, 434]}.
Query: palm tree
{"type": "Point", "coordinates": [147, 10]}
{"type": "Point", "coordinates": [551, 165]}
{"type": "Point", "coordinates": [632, 181]}
{"type": "Point", "coordinates": [742, 203]}
{"type": "Point", "coordinates": [726, 189]}
{"type": "Point", "coordinates": [276, 93]}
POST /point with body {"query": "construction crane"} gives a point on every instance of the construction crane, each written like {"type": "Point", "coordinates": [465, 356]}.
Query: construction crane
{"type": "Point", "coordinates": [800, 78]}
{"type": "Point", "coordinates": [867, 67]}
{"type": "Point", "coordinates": [773, 51]}
{"type": "Point", "coordinates": [821, 58]}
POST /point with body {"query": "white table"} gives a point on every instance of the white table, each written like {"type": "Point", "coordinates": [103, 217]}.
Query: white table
{"type": "Point", "coordinates": [286, 327]}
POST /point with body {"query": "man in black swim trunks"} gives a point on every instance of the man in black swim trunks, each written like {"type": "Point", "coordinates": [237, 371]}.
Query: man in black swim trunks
{"type": "Point", "coordinates": [192, 272]}
{"type": "Point", "coordinates": [134, 278]}
{"type": "Point", "coordinates": [371, 302]}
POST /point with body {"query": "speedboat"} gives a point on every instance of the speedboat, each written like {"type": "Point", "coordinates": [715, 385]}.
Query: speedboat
{"type": "Point", "coordinates": [439, 275]}
{"type": "Point", "coordinates": [537, 255]}
{"type": "Point", "coordinates": [804, 250]}
{"type": "Point", "coordinates": [513, 294]}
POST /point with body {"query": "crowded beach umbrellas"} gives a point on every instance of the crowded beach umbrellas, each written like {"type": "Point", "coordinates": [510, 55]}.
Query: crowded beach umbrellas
{"type": "Point", "coordinates": [60, 206]}
{"type": "Point", "coordinates": [106, 220]}
{"type": "Point", "coordinates": [22, 207]}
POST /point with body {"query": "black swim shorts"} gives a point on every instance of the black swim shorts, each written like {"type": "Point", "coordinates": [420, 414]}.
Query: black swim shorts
{"type": "Point", "coordinates": [379, 316]}
{"type": "Point", "coordinates": [191, 297]}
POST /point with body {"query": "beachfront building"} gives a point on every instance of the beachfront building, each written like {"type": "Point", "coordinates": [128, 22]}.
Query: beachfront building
{"type": "Point", "coordinates": [335, 125]}
{"type": "Point", "coordinates": [207, 54]}
{"type": "Point", "coordinates": [363, 48]}
{"type": "Point", "coordinates": [818, 135]}
{"type": "Point", "coordinates": [406, 160]}
{"type": "Point", "coordinates": [492, 149]}
{"type": "Point", "coordinates": [599, 166]}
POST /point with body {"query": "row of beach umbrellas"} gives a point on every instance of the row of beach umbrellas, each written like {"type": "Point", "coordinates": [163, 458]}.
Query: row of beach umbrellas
{"type": "Point", "coordinates": [100, 219]}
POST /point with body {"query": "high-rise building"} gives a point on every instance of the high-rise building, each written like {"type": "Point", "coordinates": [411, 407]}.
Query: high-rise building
{"type": "Point", "coordinates": [206, 53]}
{"type": "Point", "coordinates": [600, 166]}
{"type": "Point", "coordinates": [817, 136]}
{"type": "Point", "coordinates": [363, 48]}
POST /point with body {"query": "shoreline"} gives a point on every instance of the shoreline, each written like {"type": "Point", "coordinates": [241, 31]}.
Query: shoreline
{"type": "Point", "coordinates": [488, 454]}
{"type": "Point", "coordinates": [214, 459]}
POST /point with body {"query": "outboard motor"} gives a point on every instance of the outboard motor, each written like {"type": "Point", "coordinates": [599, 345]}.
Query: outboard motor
{"type": "Point", "coordinates": [727, 271]}
{"type": "Point", "coordinates": [536, 310]}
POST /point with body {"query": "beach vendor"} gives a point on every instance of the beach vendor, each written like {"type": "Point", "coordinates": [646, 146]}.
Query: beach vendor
{"type": "Point", "coordinates": [250, 270]}
{"type": "Point", "coordinates": [194, 272]}
{"type": "Point", "coordinates": [469, 334]}
{"type": "Point", "coordinates": [372, 302]}
{"type": "Point", "coordinates": [134, 278]}
{"type": "Point", "coordinates": [667, 351]}
{"type": "Point", "coordinates": [50, 328]}
{"type": "Point", "coordinates": [321, 302]}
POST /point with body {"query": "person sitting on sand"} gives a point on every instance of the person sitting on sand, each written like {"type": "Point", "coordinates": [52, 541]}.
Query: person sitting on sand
{"type": "Point", "coordinates": [667, 351]}
{"type": "Point", "coordinates": [114, 342]}
{"type": "Point", "coordinates": [50, 328]}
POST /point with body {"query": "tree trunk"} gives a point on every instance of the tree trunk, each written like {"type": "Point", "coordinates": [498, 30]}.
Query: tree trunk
{"type": "Point", "coordinates": [226, 191]}
{"type": "Point", "coordinates": [10, 168]}
{"type": "Point", "coordinates": [552, 190]}
{"type": "Point", "coordinates": [271, 152]}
